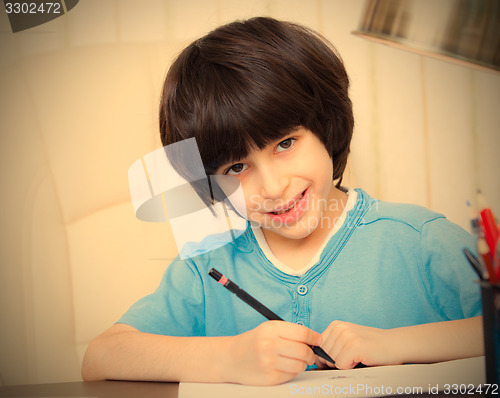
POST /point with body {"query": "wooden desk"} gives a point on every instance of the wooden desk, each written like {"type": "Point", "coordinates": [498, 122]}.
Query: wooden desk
{"type": "Point", "coordinates": [101, 389]}
{"type": "Point", "coordinates": [119, 389]}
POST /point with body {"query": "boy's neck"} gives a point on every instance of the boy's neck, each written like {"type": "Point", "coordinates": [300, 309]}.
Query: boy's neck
{"type": "Point", "coordinates": [296, 253]}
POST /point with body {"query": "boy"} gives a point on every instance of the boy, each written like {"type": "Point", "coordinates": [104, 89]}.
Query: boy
{"type": "Point", "coordinates": [267, 102]}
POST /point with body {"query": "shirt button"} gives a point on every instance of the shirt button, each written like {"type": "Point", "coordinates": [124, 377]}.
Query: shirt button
{"type": "Point", "coordinates": [300, 323]}
{"type": "Point", "coordinates": [302, 289]}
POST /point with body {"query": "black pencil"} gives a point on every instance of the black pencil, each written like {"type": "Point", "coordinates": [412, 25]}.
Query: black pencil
{"type": "Point", "coordinates": [474, 262]}
{"type": "Point", "coordinates": [259, 307]}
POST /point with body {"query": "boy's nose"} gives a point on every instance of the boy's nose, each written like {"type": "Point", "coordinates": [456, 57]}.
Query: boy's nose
{"type": "Point", "coordinates": [273, 184]}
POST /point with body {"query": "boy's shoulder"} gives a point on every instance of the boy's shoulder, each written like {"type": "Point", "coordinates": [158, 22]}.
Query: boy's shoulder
{"type": "Point", "coordinates": [412, 215]}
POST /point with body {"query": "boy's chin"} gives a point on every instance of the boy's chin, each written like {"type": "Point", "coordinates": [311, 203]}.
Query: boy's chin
{"type": "Point", "coordinates": [295, 232]}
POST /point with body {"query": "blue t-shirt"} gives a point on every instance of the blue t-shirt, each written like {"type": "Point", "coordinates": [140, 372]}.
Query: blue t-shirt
{"type": "Point", "coordinates": [389, 265]}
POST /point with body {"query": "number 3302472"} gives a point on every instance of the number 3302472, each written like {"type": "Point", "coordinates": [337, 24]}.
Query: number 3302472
{"type": "Point", "coordinates": [33, 8]}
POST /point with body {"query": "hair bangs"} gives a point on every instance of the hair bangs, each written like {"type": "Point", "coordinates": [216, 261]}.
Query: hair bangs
{"type": "Point", "coordinates": [236, 118]}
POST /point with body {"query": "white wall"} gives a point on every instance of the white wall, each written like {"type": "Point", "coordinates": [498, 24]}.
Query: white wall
{"type": "Point", "coordinates": [78, 106]}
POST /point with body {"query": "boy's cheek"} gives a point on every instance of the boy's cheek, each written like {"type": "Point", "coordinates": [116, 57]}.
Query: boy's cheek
{"type": "Point", "coordinates": [255, 206]}
{"type": "Point", "coordinates": [233, 191]}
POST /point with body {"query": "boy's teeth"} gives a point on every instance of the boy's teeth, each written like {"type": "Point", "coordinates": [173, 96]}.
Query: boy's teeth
{"type": "Point", "coordinates": [290, 208]}
{"type": "Point", "coordinates": [285, 211]}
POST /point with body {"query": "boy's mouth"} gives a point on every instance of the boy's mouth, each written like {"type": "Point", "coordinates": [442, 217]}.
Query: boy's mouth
{"type": "Point", "coordinates": [293, 210]}
{"type": "Point", "coordinates": [289, 207]}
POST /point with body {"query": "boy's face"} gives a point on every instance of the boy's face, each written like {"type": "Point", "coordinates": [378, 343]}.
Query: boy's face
{"type": "Point", "coordinates": [288, 185]}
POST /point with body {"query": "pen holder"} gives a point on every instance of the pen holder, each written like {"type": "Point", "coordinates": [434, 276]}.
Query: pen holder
{"type": "Point", "coordinates": [490, 297]}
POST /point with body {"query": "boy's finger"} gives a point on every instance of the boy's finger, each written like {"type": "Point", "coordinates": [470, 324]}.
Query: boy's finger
{"type": "Point", "coordinates": [303, 334]}
{"type": "Point", "coordinates": [295, 350]}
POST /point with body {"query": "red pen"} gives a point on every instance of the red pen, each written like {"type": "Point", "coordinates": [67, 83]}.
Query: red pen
{"type": "Point", "coordinates": [496, 261]}
{"type": "Point", "coordinates": [488, 222]}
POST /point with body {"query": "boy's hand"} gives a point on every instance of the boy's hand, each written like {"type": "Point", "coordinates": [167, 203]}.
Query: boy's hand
{"type": "Point", "coordinates": [272, 353]}
{"type": "Point", "coordinates": [349, 344]}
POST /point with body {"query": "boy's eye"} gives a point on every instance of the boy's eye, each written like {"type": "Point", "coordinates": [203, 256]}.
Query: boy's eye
{"type": "Point", "coordinates": [285, 144]}
{"type": "Point", "coordinates": [236, 169]}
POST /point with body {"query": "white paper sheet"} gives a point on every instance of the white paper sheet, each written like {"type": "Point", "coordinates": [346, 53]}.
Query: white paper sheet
{"type": "Point", "coordinates": [460, 375]}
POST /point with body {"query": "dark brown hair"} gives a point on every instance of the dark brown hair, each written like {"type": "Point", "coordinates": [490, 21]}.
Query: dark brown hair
{"type": "Point", "coordinates": [251, 82]}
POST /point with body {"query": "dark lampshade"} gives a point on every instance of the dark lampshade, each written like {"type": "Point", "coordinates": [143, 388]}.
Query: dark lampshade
{"type": "Point", "coordinates": [460, 31]}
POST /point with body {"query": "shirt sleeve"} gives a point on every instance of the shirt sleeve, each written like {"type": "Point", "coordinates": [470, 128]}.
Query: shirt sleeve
{"type": "Point", "coordinates": [176, 308]}
{"type": "Point", "coordinates": [451, 281]}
